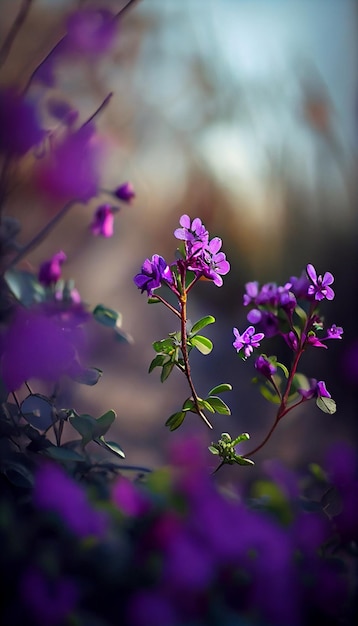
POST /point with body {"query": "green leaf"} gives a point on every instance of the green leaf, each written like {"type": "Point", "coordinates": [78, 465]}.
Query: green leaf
{"type": "Point", "coordinates": [85, 426]}
{"type": "Point", "coordinates": [301, 314]}
{"type": "Point", "coordinates": [18, 474]}
{"type": "Point", "coordinates": [220, 389]}
{"type": "Point", "coordinates": [165, 346]}
{"type": "Point", "coordinates": [213, 450]}
{"type": "Point", "coordinates": [112, 446]}
{"type": "Point", "coordinates": [107, 317]}
{"type": "Point", "coordinates": [89, 377]}
{"type": "Point", "coordinates": [158, 361]}
{"type": "Point", "coordinates": [38, 411]}
{"type": "Point", "coordinates": [269, 395]}
{"type": "Point", "coordinates": [104, 423]}
{"type": "Point", "coordinates": [153, 300]}
{"type": "Point", "coordinates": [327, 405]}
{"type": "Point", "coordinates": [283, 368]}
{"type": "Point", "coordinates": [241, 460]}
{"type": "Point", "coordinates": [205, 404]}
{"type": "Point", "coordinates": [166, 371]}
{"type": "Point", "coordinates": [25, 286]}
{"type": "Point", "coordinates": [204, 321]}
{"type": "Point", "coordinates": [218, 405]}
{"type": "Point", "coordinates": [60, 453]}
{"type": "Point", "coordinates": [242, 437]}
{"type": "Point", "coordinates": [174, 421]}
{"type": "Point", "coordinates": [188, 404]}
{"type": "Point", "coordinates": [203, 344]}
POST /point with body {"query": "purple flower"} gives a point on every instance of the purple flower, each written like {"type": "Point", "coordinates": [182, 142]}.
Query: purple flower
{"type": "Point", "coordinates": [248, 340]}
{"type": "Point", "coordinates": [320, 286]}
{"type": "Point", "coordinates": [129, 498]}
{"type": "Point", "coordinates": [91, 31]}
{"type": "Point", "coordinates": [212, 263]}
{"type": "Point", "coordinates": [265, 367]}
{"type": "Point", "coordinates": [193, 233]}
{"type": "Point", "coordinates": [72, 169]}
{"type": "Point", "coordinates": [19, 126]}
{"type": "Point", "coordinates": [300, 285]}
{"type": "Point", "coordinates": [62, 110]}
{"type": "Point", "coordinates": [266, 321]}
{"type": "Point", "coordinates": [36, 345]}
{"type": "Point", "coordinates": [50, 271]}
{"type": "Point", "coordinates": [286, 298]}
{"type": "Point", "coordinates": [315, 390]}
{"type": "Point", "coordinates": [103, 221]}
{"type": "Point", "coordinates": [153, 273]}
{"type": "Point", "coordinates": [49, 601]}
{"type": "Point", "coordinates": [56, 491]}
{"type": "Point", "coordinates": [252, 290]}
{"type": "Point", "coordinates": [125, 192]}
{"type": "Point", "coordinates": [334, 332]}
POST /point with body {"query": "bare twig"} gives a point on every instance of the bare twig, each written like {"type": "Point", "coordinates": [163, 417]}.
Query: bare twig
{"type": "Point", "coordinates": [11, 36]}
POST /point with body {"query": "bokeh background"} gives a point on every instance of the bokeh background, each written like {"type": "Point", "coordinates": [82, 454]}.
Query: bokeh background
{"type": "Point", "coordinates": [242, 113]}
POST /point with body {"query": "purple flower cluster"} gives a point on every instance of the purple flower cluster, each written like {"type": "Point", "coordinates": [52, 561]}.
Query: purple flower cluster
{"type": "Point", "coordinates": [202, 257]}
{"type": "Point", "coordinates": [273, 309]}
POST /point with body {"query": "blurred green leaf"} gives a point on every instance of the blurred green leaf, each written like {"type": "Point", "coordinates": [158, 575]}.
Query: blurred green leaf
{"type": "Point", "coordinates": [218, 405]}
{"type": "Point", "coordinates": [166, 371]}
{"type": "Point", "coordinates": [85, 426]}
{"type": "Point", "coordinates": [25, 286]}
{"type": "Point", "coordinates": [204, 321]}
{"type": "Point", "coordinates": [158, 361]}
{"type": "Point", "coordinates": [89, 377]}
{"type": "Point", "coordinates": [175, 420]}
{"type": "Point", "coordinates": [327, 405]}
{"type": "Point", "coordinates": [104, 423]}
{"type": "Point", "coordinates": [38, 411]}
{"type": "Point", "coordinates": [107, 317]}
{"type": "Point", "coordinates": [112, 446]}
{"type": "Point", "coordinates": [220, 389]}
{"type": "Point", "coordinates": [203, 344]}
{"type": "Point", "coordinates": [60, 453]}
{"type": "Point", "coordinates": [269, 395]}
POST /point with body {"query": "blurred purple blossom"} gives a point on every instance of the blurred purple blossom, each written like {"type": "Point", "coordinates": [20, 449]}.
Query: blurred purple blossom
{"type": "Point", "coordinates": [125, 192]}
{"type": "Point", "coordinates": [129, 498]}
{"type": "Point", "coordinates": [56, 491]}
{"type": "Point", "coordinates": [50, 271]}
{"type": "Point", "coordinates": [103, 221]}
{"type": "Point", "coordinates": [20, 128]}
{"type": "Point", "coordinates": [91, 31]}
{"type": "Point", "coordinates": [50, 601]}
{"type": "Point", "coordinates": [36, 345]}
{"type": "Point", "coordinates": [71, 171]}
{"type": "Point", "coordinates": [265, 366]}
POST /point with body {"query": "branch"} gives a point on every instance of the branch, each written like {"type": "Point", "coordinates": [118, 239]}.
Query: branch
{"type": "Point", "coordinates": [11, 36]}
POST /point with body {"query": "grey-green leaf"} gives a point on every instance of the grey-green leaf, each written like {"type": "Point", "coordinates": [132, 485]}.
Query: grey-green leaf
{"type": "Point", "coordinates": [38, 411]}
{"type": "Point", "coordinates": [327, 405]}
{"type": "Point", "coordinates": [107, 317]}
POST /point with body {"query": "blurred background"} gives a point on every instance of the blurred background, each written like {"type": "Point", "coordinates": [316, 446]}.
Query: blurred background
{"type": "Point", "coordinates": [242, 113]}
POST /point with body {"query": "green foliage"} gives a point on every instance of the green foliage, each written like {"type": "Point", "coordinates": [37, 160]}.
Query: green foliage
{"type": "Point", "coordinates": [25, 287]}
{"type": "Point", "coordinates": [327, 405]}
{"type": "Point", "coordinates": [204, 321]}
{"type": "Point", "coordinates": [225, 449]}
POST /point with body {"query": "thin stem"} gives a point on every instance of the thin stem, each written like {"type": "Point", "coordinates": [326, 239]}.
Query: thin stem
{"type": "Point", "coordinates": [41, 235]}
{"type": "Point", "coordinates": [184, 349]}
{"type": "Point", "coordinates": [169, 306]}
{"type": "Point", "coordinates": [11, 36]}
{"type": "Point", "coordinates": [100, 108]}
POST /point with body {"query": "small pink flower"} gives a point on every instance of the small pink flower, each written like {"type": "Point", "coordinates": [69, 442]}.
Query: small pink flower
{"type": "Point", "coordinates": [103, 221]}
